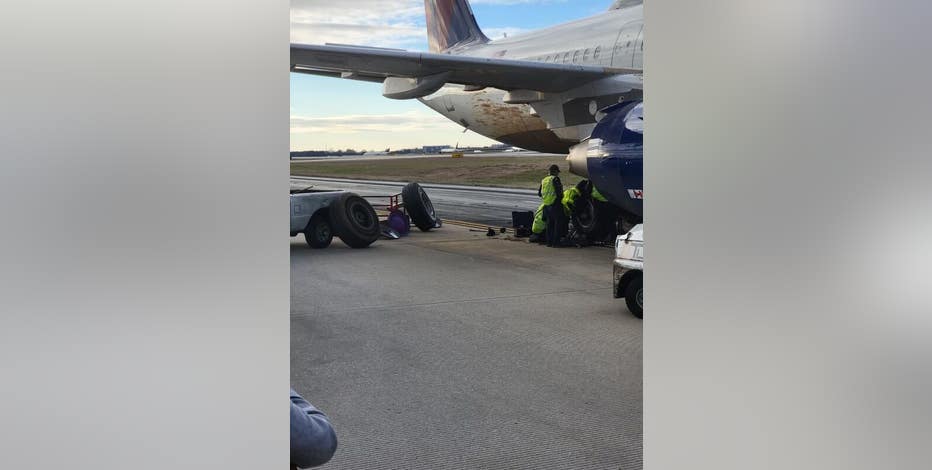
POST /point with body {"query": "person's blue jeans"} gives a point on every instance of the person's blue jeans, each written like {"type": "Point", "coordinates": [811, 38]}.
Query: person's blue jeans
{"type": "Point", "coordinates": [313, 441]}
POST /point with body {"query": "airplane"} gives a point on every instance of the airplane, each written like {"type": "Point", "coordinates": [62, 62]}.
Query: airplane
{"type": "Point", "coordinates": [545, 90]}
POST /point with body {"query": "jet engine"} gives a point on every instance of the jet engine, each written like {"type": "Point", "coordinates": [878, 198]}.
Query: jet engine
{"type": "Point", "coordinates": [613, 158]}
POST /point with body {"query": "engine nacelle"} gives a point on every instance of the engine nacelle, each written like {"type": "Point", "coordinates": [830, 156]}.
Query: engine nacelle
{"type": "Point", "coordinates": [613, 157]}
{"type": "Point", "coordinates": [403, 88]}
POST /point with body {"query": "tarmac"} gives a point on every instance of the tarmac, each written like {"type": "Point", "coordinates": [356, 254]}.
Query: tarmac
{"type": "Point", "coordinates": [454, 350]}
{"type": "Point", "coordinates": [485, 205]}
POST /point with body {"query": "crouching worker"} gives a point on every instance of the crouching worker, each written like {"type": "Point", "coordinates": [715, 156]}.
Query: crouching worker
{"type": "Point", "coordinates": [572, 200]}
{"type": "Point", "coordinates": [570, 197]}
{"type": "Point", "coordinates": [539, 226]}
{"type": "Point", "coordinates": [313, 441]}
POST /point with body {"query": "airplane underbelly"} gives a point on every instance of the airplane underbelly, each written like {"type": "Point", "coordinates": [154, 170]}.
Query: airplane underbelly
{"type": "Point", "coordinates": [485, 113]}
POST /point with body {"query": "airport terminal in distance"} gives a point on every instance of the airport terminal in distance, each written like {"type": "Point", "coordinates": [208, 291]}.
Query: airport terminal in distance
{"type": "Point", "coordinates": [480, 308]}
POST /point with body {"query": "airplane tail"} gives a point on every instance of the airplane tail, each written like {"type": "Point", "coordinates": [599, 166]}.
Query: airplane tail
{"type": "Point", "coordinates": [451, 23]}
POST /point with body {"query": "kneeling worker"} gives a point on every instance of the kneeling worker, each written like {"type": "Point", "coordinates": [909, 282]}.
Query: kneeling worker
{"type": "Point", "coordinates": [539, 226]}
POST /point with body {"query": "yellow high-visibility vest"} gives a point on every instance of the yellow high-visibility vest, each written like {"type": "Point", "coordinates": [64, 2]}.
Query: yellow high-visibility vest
{"type": "Point", "coordinates": [539, 225]}
{"type": "Point", "coordinates": [569, 200]}
{"type": "Point", "coordinates": [597, 195]}
{"type": "Point", "coordinates": [547, 191]}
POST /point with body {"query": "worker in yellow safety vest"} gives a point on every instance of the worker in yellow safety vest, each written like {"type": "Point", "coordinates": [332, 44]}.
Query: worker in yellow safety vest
{"type": "Point", "coordinates": [569, 201]}
{"type": "Point", "coordinates": [597, 195]}
{"type": "Point", "coordinates": [539, 226]}
{"type": "Point", "coordinates": [551, 194]}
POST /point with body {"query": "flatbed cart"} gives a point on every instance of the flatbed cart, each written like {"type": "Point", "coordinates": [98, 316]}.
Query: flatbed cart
{"type": "Point", "coordinates": [321, 214]}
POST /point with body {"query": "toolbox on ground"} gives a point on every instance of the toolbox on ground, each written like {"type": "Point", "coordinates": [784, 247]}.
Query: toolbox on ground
{"type": "Point", "coordinates": [521, 221]}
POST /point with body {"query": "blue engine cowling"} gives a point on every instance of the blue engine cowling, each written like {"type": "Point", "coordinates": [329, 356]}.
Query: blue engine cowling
{"type": "Point", "coordinates": [613, 157]}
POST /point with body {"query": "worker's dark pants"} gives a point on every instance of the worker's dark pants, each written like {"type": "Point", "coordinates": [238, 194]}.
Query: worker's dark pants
{"type": "Point", "coordinates": [556, 222]}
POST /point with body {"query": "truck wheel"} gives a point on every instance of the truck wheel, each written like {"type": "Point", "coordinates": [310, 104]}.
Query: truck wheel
{"type": "Point", "coordinates": [419, 207]}
{"type": "Point", "coordinates": [354, 221]}
{"type": "Point", "coordinates": [634, 296]}
{"type": "Point", "coordinates": [318, 232]}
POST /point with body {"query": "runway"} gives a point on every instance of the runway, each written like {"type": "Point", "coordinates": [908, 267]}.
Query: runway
{"type": "Point", "coordinates": [488, 206]}
{"type": "Point", "coordinates": [352, 158]}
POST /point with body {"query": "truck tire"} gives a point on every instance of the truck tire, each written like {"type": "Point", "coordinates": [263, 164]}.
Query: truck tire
{"type": "Point", "coordinates": [354, 221]}
{"type": "Point", "coordinates": [634, 296]}
{"type": "Point", "coordinates": [319, 232]}
{"type": "Point", "coordinates": [419, 207]}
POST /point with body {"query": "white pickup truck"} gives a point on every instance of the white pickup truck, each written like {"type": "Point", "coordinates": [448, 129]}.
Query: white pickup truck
{"type": "Point", "coordinates": [629, 269]}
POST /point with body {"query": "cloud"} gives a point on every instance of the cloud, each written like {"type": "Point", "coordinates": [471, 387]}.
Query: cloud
{"type": "Point", "coordinates": [398, 35]}
{"type": "Point", "coordinates": [412, 121]}
{"type": "Point", "coordinates": [384, 23]}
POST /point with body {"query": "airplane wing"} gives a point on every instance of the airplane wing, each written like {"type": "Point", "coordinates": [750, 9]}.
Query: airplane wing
{"type": "Point", "coordinates": [377, 64]}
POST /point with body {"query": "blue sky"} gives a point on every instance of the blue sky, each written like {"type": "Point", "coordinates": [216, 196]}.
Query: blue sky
{"type": "Point", "coordinates": [338, 114]}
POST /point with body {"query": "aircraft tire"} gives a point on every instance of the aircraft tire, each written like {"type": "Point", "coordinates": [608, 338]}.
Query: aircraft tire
{"type": "Point", "coordinates": [634, 296]}
{"type": "Point", "coordinates": [596, 220]}
{"type": "Point", "coordinates": [419, 207]}
{"type": "Point", "coordinates": [354, 221]}
{"type": "Point", "coordinates": [319, 232]}
{"type": "Point", "coordinates": [589, 220]}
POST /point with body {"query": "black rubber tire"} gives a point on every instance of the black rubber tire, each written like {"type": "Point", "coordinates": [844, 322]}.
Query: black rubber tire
{"type": "Point", "coordinates": [419, 207]}
{"type": "Point", "coordinates": [587, 218]}
{"type": "Point", "coordinates": [634, 296]}
{"type": "Point", "coordinates": [595, 220]}
{"type": "Point", "coordinates": [319, 232]}
{"type": "Point", "coordinates": [354, 221]}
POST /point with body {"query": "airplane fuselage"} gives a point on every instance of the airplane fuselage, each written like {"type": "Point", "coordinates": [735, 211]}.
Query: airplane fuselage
{"type": "Point", "coordinates": [611, 39]}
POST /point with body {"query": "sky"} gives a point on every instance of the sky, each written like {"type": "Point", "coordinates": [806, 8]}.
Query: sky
{"type": "Point", "coordinates": [330, 113]}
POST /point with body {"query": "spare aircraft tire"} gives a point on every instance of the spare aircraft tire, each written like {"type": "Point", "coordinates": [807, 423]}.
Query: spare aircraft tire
{"type": "Point", "coordinates": [354, 220]}
{"type": "Point", "coordinates": [419, 207]}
